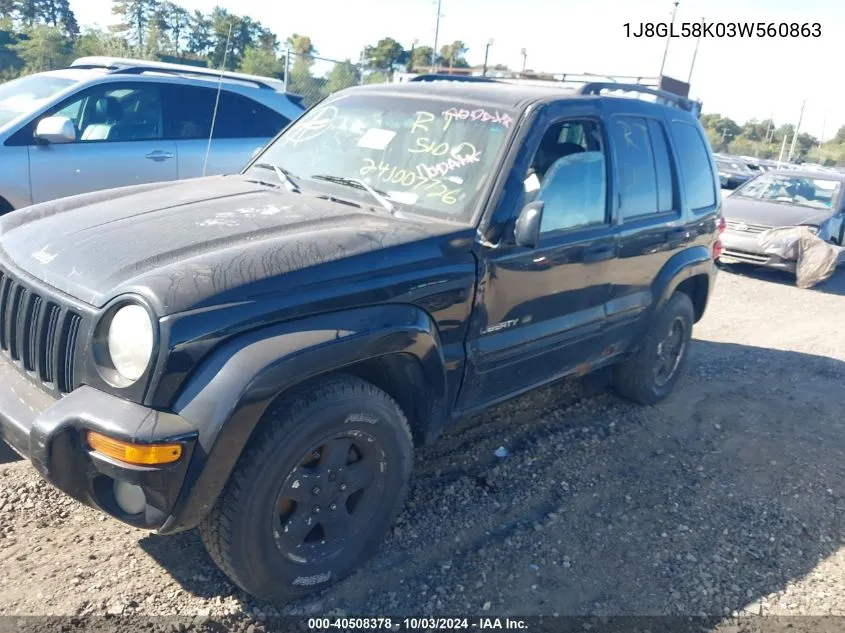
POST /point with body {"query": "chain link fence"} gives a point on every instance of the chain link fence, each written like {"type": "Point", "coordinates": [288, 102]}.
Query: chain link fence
{"type": "Point", "coordinates": [317, 77]}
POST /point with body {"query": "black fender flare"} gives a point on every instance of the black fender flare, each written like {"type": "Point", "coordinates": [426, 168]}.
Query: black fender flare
{"type": "Point", "coordinates": [229, 393]}
{"type": "Point", "coordinates": [690, 262]}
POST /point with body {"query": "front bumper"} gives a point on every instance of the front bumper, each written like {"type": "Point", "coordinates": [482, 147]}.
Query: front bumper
{"type": "Point", "coordinates": [744, 248]}
{"type": "Point", "coordinates": [50, 433]}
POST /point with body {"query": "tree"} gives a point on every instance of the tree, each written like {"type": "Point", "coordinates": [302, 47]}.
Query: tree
{"type": "Point", "coordinates": [59, 14]}
{"type": "Point", "coordinates": [156, 41]}
{"type": "Point", "coordinates": [260, 61]}
{"type": "Point", "coordinates": [43, 48]}
{"type": "Point", "coordinates": [385, 56]}
{"type": "Point", "coordinates": [135, 19]}
{"type": "Point", "coordinates": [453, 54]}
{"type": "Point", "coordinates": [199, 34]}
{"type": "Point", "coordinates": [784, 131]}
{"type": "Point", "coordinates": [839, 137]}
{"type": "Point", "coordinates": [7, 8]}
{"type": "Point", "coordinates": [94, 42]}
{"type": "Point", "coordinates": [222, 24]}
{"type": "Point", "coordinates": [710, 120]}
{"type": "Point", "coordinates": [28, 12]}
{"type": "Point", "coordinates": [805, 143]}
{"type": "Point", "coordinates": [342, 76]}
{"type": "Point", "coordinates": [301, 45]}
{"type": "Point", "coordinates": [420, 57]}
{"type": "Point", "coordinates": [175, 22]}
{"type": "Point", "coordinates": [301, 81]}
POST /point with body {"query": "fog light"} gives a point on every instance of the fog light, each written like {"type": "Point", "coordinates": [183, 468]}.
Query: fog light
{"type": "Point", "coordinates": [129, 497]}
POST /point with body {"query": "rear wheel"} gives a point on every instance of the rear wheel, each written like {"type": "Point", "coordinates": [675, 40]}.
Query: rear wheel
{"type": "Point", "coordinates": [315, 491]}
{"type": "Point", "coordinates": [650, 375]}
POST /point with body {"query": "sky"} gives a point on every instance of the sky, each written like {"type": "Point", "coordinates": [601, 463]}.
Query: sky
{"type": "Point", "coordinates": [742, 78]}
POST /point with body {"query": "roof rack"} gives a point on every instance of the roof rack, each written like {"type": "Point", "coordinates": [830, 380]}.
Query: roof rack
{"type": "Point", "coordinates": [668, 98]}
{"type": "Point", "coordinates": [123, 66]}
{"type": "Point", "coordinates": [445, 77]}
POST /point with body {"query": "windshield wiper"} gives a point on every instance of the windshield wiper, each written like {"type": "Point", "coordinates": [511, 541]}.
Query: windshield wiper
{"type": "Point", "coordinates": [358, 184]}
{"type": "Point", "coordinates": [284, 175]}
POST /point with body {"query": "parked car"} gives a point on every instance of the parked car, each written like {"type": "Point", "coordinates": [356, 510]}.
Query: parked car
{"type": "Point", "coordinates": [108, 122]}
{"type": "Point", "coordinates": [733, 173]}
{"type": "Point", "coordinates": [259, 354]}
{"type": "Point", "coordinates": [781, 199]}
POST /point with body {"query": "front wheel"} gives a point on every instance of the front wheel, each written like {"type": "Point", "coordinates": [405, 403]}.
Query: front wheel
{"type": "Point", "coordinates": [314, 492]}
{"type": "Point", "coordinates": [650, 375]}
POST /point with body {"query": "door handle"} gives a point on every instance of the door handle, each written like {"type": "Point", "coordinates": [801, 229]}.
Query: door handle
{"type": "Point", "coordinates": [159, 155]}
{"type": "Point", "coordinates": [599, 253]}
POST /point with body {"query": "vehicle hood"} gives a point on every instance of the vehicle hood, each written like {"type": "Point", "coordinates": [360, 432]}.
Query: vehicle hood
{"type": "Point", "coordinates": [182, 243]}
{"type": "Point", "coordinates": [762, 213]}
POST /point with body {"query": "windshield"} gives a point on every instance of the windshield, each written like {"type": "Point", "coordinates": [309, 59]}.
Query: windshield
{"type": "Point", "coordinates": [25, 94]}
{"type": "Point", "coordinates": [433, 156]}
{"type": "Point", "coordinates": [772, 186]}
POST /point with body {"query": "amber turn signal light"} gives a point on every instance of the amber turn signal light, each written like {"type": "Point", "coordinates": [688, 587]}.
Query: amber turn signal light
{"type": "Point", "coordinates": [138, 454]}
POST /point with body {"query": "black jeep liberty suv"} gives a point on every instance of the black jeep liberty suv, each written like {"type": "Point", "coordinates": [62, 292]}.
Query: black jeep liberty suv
{"type": "Point", "coordinates": [258, 354]}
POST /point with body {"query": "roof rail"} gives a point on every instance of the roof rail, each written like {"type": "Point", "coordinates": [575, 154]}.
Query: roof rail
{"type": "Point", "coordinates": [683, 103]}
{"type": "Point", "coordinates": [445, 77]}
{"type": "Point", "coordinates": [118, 65]}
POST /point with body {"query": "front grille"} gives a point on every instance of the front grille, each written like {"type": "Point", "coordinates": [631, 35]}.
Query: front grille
{"type": "Point", "coordinates": [38, 334]}
{"type": "Point", "coordinates": [754, 258]}
{"type": "Point", "coordinates": [744, 227]}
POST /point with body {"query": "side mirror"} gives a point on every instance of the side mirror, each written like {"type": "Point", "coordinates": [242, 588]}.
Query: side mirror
{"type": "Point", "coordinates": [526, 231]}
{"type": "Point", "coordinates": [56, 129]}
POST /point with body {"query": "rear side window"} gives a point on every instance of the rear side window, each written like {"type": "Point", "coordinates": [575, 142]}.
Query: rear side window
{"type": "Point", "coordinates": [191, 109]}
{"type": "Point", "coordinates": [241, 117]}
{"type": "Point", "coordinates": [696, 170]}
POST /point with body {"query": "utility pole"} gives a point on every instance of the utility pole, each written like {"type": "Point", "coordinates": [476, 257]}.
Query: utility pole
{"type": "Point", "coordinates": [436, 36]}
{"type": "Point", "coordinates": [795, 134]}
{"type": "Point", "coordinates": [524, 53]}
{"type": "Point", "coordinates": [694, 54]}
{"type": "Point", "coordinates": [486, 52]}
{"type": "Point", "coordinates": [668, 38]}
{"type": "Point", "coordinates": [782, 148]}
{"type": "Point", "coordinates": [766, 138]}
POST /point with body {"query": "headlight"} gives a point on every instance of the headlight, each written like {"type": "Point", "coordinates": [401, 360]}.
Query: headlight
{"type": "Point", "coordinates": [130, 341]}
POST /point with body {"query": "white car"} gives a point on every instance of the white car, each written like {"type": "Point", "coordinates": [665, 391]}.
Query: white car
{"type": "Point", "coordinates": [109, 122]}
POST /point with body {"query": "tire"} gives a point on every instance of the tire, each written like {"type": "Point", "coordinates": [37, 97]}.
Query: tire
{"type": "Point", "coordinates": [253, 530]}
{"type": "Point", "coordinates": [638, 377]}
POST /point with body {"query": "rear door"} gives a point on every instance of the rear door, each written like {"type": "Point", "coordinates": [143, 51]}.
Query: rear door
{"type": "Point", "coordinates": [650, 228]}
{"type": "Point", "coordinates": [119, 142]}
{"type": "Point", "coordinates": [241, 126]}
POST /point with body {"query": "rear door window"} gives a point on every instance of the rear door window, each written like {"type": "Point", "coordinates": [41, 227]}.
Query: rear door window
{"type": "Point", "coordinates": [635, 166]}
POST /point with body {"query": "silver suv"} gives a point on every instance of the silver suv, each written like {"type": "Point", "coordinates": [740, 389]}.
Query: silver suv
{"type": "Point", "coordinates": [108, 122]}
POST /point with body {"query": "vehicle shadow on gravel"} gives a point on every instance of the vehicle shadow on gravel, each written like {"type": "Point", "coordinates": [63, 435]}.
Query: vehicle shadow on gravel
{"type": "Point", "coordinates": [833, 286]}
{"type": "Point", "coordinates": [712, 500]}
{"type": "Point", "coordinates": [7, 455]}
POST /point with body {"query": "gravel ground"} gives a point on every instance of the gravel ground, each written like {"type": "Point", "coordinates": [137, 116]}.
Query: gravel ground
{"type": "Point", "coordinates": [728, 498]}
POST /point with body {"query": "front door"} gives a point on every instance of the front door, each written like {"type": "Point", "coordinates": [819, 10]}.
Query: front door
{"type": "Point", "coordinates": [118, 143]}
{"type": "Point", "coordinates": [540, 312]}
